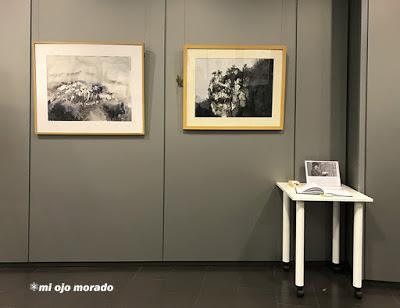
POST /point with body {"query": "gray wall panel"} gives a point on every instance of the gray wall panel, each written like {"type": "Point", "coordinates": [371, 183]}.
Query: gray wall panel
{"type": "Point", "coordinates": [320, 103]}
{"type": "Point", "coordinates": [383, 149]}
{"type": "Point", "coordinates": [14, 130]}
{"type": "Point", "coordinates": [220, 197]}
{"type": "Point", "coordinates": [101, 198]}
{"type": "Point", "coordinates": [356, 106]}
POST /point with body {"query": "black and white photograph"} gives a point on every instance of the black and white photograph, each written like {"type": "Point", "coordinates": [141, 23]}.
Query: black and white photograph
{"type": "Point", "coordinates": [234, 87]}
{"type": "Point", "coordinates": [324, 173]}
{"type": "Point", "coordinates": [321, 168]}
{"type": "Point", "coordinates": [83, 88]}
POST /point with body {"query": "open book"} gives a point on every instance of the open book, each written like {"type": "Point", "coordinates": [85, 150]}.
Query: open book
{"type": "Point", "coordinates": [315, 189]}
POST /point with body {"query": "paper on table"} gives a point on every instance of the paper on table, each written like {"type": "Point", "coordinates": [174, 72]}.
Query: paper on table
{"type": "Point", "coordinates": [337, 192]}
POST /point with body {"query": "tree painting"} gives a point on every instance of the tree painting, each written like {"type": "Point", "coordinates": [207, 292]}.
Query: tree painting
{"type": "Point", "coordinates": [244, 91]}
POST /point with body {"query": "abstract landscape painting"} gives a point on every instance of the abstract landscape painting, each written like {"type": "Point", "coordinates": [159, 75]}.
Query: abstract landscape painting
{"type": "Point", "coordinates": [234, 87]}
{"type": "Point", "coordinates": [89, 89]}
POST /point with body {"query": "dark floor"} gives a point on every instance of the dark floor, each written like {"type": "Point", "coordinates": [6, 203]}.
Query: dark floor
{"type": "Point", "coordinates": [189, 285]}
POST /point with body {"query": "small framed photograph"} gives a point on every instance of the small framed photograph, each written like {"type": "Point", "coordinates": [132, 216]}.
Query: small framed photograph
{"type": "Point", "coordinates": [323, 173]}
{"type": "Point", "coordinates": [234, 87]}
{"type": "Point", "coordinates": [88, 89]}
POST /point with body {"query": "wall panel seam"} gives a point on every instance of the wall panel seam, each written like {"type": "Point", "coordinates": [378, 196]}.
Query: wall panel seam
{"type": "Point", "coordinates": [164, 131]}
{"type": "Point", "coordinates": [295, 90]}
{"type": "Point", "coordinates": [29, 129]}
{"type": "Point", "coordinates": [366, 61]}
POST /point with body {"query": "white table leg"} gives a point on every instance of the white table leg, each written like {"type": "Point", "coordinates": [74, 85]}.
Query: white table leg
{"type": "Point", "coordinates": [286, 231]}
{"type": "Point", "coordinates": [358, 247]}
{"type": "Point", "coordinates": [299, 275]}
{"type": "Point", "coordinates": [336, 233]}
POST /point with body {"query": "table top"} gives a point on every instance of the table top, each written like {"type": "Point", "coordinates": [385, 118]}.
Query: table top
{"type": "Point", "coordinates": [355, 195]}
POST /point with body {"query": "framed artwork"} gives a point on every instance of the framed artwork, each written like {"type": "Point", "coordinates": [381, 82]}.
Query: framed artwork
{"type": "Point", "coordinates": [234, 87]}
{"type": "Point", "coordinates": [88, 88]}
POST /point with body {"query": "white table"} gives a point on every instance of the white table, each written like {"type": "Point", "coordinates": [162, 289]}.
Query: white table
{"type": "Point", "coordinates": [289, 192]}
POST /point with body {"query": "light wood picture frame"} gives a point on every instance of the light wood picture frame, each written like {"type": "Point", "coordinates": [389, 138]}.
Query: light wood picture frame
{"type": "Point", "coordinates": [85, 88]}
{"type": "Point", "coordinates": [234, 87]}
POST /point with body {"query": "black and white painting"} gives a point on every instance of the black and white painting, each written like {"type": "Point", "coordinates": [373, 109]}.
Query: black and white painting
{"type": "Point", "coordinates": [89, 88]}
{"type": "Point", "coordinates": [234, 87]}
{"type": "Point", "coordinates": [82, 88]}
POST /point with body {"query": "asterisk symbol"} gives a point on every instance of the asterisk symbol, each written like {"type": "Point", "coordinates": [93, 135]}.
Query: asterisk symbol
{"type": "Point", "coordinates": [34, 286]}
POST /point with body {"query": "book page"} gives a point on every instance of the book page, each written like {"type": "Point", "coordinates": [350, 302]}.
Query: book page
{"type": "Point", "coordinates": [337, 192]}
{"type": "Point", "coordinates": [309, 189]}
